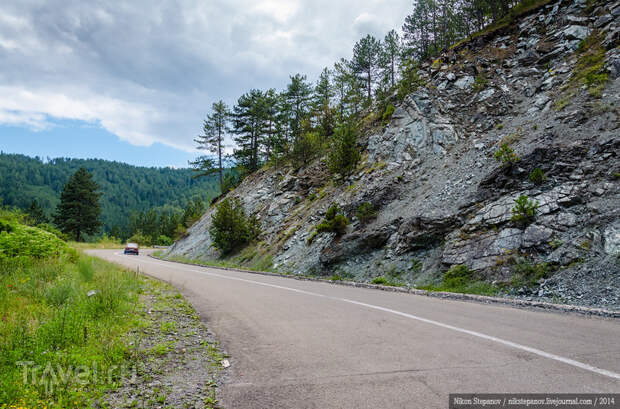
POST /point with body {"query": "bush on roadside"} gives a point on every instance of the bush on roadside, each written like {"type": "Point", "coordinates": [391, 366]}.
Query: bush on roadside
{"type": "Point", "coordinates": [231, 228]}
{"type": "Point", "coordinates": [457, 276]}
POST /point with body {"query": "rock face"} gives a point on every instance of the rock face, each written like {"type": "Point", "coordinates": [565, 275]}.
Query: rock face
{"type": "Point", "coordinates": [442, 198]}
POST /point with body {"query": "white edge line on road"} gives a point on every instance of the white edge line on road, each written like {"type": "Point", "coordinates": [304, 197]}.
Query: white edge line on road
{"type": "Point", "coordinates": [511, 344]}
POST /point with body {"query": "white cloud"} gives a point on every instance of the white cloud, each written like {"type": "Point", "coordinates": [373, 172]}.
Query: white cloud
{"type": "Point", "coordinates": [148, 72]}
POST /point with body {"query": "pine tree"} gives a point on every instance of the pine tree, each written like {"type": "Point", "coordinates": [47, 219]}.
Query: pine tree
{"type": "Point", "coordinates": [78, 211]}
{"type": "Point", "coordinates": [215, 128]}
{"type": "Point", "coordinates": [321, 103]}
{"type": "Point", "coordinates": [35, 212]}
{"type": "Point", "coordinates": [389, 58]}
{"type": "Point", "coordinates": [343, 154]}
{"type": "Point", "coordinates": [298, 95]}
{"type": "Point", "coordinates": [366, 61]}
{"type": "Point", "coordinates": [249, 126]}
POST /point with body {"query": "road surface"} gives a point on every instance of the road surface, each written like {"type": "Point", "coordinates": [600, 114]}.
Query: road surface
{"type": "Point", "coordinates": [301, 344]}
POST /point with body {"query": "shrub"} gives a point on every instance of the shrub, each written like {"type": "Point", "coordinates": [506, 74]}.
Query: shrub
{"type": "Point", "coordinates": [305, 148]}
{"type": "Point", "coordinates": [524, 211]}
{"type": "Point", "coordinates": [528, 274]}
{"type": "Point", "coordinates": [389, 111]}
{"type": "Point", "coordinates": [480, 83]}
{"type": "Point", "coordinates": [231, 228]}
{"type": "Point", "coordinates": [366, 212]}
{"type": "Point", "coordinates": [506, 155]}
{"type": "Point", "coordinates": [537, 176]}
{"type": "Point", "coordinates": [410, 80]}
{"type": "Point", "coordinates": [457, 276]}
{"type": "Point", "coordinates": [140, 238]}
{"type": "Point", "coordinates": [18, 240]}
{"type": "Point", "coordinates": [163, 240]}
{"type": "Point", "coordinates": [344, 154]}
{"type": "Point", "coordinates": [334, 222]}
{"type": "Point", "coordinates": [379, 280]}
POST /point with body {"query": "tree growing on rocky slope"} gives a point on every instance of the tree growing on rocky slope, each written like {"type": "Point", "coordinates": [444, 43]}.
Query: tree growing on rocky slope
{"type": "Point", "coordinates": [365, 63]}
{"type": "Point", "coordinates": [344, 153]}
{"type": "Point", "coordinates": [389, 57]}
{"type": "Point", "coordinates": [214, 128]}
{"type": "Point", "coordinates": [249, 128]}
{"type": "Point", "coordinates": [231, 228]}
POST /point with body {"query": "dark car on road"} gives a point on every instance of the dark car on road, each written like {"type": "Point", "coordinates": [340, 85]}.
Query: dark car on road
{"type": "Point", "coordinates": [132, 248]}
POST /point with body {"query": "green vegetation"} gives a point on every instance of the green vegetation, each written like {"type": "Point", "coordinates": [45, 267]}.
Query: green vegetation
{"type": "Point", "coordinates": [344, 153]}
{"type": "Point", "coordinates": [60, 311]}
{"type": "Point", "coordinates": [78, 212]}
{"type": "Point", "coordinates": [335, 222]}
{"type": "Point", "coordinates": [537, 176]}
{"type": "Point", "coordinates": [366, 212]}
{"type": "Point", "coordinates": [524, 211]}
{"type": "Point", "coordinates": [19, 241]}
{"type": "Point", "coordinates": [125, 189]}
{"type": "Point", "coordinates": [387, 114]}
{"type": "Point", "coordinates": [590, 67]}
{"type": "Point", "coordinates": [460, 279]}
{"type": "Point", "coordinates": [506, 155]}
{"type": "Point", "coordinates": [231, 228]}
{"type": "Point", "coordinates": [480, 83]}
{"type": "Point", "coordinates": [526, 274]}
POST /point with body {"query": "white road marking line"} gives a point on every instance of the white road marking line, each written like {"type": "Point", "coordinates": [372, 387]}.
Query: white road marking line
{"type": "Point", "coordinates": [511, 344]}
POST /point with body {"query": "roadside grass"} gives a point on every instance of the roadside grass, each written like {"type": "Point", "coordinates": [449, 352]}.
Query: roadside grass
{"type": "Point", "coordinates": [49, 322]}
{"type": "Point", "coordinates": [460, 279]}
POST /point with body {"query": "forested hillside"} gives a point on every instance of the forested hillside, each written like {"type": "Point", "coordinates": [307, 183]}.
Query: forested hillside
{"type": "Point", "coordinates": [126, 189]}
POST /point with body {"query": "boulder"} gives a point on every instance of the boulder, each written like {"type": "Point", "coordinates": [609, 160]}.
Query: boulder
{"type": "Point", "coordinates": [576, 32]}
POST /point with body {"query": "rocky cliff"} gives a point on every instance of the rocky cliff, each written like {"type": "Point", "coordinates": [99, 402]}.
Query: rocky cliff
{"type": "Point", "coordinates": [544, 93]}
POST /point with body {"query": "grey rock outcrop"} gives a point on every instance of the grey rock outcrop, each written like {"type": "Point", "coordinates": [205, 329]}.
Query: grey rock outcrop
{"type": "Point", "coordinates": [441, 197]}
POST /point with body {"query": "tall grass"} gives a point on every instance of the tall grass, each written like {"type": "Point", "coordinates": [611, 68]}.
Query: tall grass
{"type": "Point", "coordinates": [62, 313]}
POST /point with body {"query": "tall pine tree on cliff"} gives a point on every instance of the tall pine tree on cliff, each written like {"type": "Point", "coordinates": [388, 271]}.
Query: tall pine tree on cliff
{"type": "Point", "coordinates": [78, 211]}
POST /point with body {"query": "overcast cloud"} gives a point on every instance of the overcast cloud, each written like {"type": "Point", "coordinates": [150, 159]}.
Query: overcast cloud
{"type": "Point", "coordinates": [148, 70]}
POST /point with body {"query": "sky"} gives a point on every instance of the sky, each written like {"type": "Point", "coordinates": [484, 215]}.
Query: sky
{"type": "Point", "coordinates": [133, 80]}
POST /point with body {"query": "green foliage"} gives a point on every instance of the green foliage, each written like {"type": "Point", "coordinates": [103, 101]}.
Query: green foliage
{"type": "Point", "coordinates": [590, 67]}
{"type": "Point", "coordinates": [524, 211]}
{"type": "Point", "coordinates": [526, 274]}
{"type": "Point", "coordinates": [344, 153]}
{"type": "Point", "coordinates": [305, 148]}
{"type": "Point", "coordinates": [537, 176]}
{"type": "Point", "coordinates": [409, 81]}
{"type": "Point", "coordinates": [506, 155]}
{"type": "Point", "coordinates": [334, 222]}
{"type": "Point", "coordinates": [387, 114]}
{"type": "Point", "coordinates": [366, 212]}
{"type": "Point", "coordinates": [78, 212]}
{"type": "Point", "coordinates": [139, 238]}
{"type": "Point", "coordinates": [457, 276]}
{"type": "Point", "coordinates": [163, 241]}
{"type": "Point", "coordinates": [480, 83]}
{"type": "Point", "coordinates": [21, 241]}
{"type": "Point", "coordinates": [460, 279]}
{"type": "Point", "coordinates": [231, 228]}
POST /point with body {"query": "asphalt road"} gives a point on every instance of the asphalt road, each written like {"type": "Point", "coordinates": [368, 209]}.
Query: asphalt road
{"type": "Point", "coordinates": [299, 344]}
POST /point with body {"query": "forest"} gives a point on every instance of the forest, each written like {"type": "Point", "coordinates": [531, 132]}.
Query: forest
{"type": "Point", "coordinates": [130, 196]}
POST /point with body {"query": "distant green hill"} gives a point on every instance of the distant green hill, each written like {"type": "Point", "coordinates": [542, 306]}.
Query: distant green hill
{"type": "Point", "coordinates": [125, 188]}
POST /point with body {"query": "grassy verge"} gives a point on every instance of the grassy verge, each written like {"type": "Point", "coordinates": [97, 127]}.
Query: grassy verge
{"type": "Point", "coordinates": [61, 320]}
{"type": "Point", "coordinates": [73, 328]}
